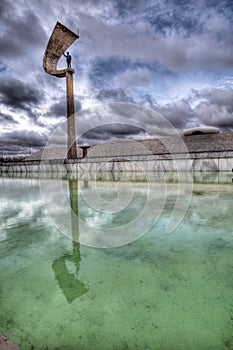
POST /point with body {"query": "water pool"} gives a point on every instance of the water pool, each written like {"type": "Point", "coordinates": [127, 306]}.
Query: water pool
{"type": "Point", "coordinates": [161, 291]}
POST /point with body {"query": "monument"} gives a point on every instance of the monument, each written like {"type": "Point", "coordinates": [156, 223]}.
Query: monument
{"type": "Point", "coordinates": [62, 38]}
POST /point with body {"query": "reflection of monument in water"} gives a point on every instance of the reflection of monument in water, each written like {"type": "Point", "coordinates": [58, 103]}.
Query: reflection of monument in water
{"type": "Point", "coordinates": [69, 283]}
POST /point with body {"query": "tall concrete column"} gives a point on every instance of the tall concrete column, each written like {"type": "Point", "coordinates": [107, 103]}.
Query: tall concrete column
{"type": "Point", "coordinates": [61, 38]}
{"type": "Point", "coordinates": [71, 135]}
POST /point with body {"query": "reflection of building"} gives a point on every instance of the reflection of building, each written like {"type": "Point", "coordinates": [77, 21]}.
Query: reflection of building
{"type": "Point", "coordinates": [70, 285]}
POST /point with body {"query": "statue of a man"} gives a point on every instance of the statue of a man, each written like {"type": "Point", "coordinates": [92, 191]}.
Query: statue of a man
{"type": "Point", "coordinates": [68, 59]}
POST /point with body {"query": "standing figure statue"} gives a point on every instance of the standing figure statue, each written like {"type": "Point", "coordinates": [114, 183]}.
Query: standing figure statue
{"type": "Point", "coordinates": [68, 59]}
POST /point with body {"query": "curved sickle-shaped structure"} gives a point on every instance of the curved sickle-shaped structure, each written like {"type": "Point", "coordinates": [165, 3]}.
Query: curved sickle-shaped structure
{"type": "Point", "coordinates": [61, 38]}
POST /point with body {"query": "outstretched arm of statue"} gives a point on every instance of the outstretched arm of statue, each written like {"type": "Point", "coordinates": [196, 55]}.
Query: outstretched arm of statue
{"type": "Point", "coordinates": [64, 54]}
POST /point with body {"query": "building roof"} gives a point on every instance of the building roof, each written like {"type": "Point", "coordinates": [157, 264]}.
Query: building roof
{"type": "Point", "coordinates": [222, 142]}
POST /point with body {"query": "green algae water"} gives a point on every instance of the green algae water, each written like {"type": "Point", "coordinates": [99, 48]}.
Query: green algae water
{"type": "Point", "coordinates": [161, 291]}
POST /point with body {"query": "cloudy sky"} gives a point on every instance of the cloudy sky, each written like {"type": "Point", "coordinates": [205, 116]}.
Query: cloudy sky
{"type": "Point", "coordinates": [174, 57]}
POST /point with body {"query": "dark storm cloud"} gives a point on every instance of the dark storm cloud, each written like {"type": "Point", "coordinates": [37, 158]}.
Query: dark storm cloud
{"type": "Point", "coordinates": [177, 113]}
{"type": "Point", "coordinates": [148, 101]}
{"type": "Point", "coordinates": [7, 119]}
{"type": "Point", "coordinates": [119, 95]}
{"type": "Point", "coordinates": [113, 95]}
{"type": "Point", "coordinates": [5, 6]}
{"type": "Point", "coordinates": [174, 18]}
{"type": "Point", "coordinates": [102, 70]}
{"type": "Point", "coordinates": [9, 149]}
{"type": "Point", "coordinates": [23, 138]}
{"type": "Point", "coordinates": [216, 108]}
{"type": "Point", "coordinates": [3, 67]}
{"type": "Point", "coordinates": [122, 120]}
{"type": "Point", "coordinates": [218, 97]}
{"type": "Point", "coordinates": [20, 33]}
{"type": "Point", "coordinates": [210, 114]}
{"type": "Point", "coordinates": [58, 109]}
{"type": "Point", "coordinates": [112, 131]}
{"type": "Point", "coordinates": [17, 94]}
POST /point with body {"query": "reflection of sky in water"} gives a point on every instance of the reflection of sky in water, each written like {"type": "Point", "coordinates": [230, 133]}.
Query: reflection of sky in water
{"type": "Point", "coordinates": [97, 218]}
{"type": "Point", "coordinates": [109, 214]}
{"type": "Point", "coordinates": [55, 293]}
{"type": "Point", "coordinates": [17, 212]}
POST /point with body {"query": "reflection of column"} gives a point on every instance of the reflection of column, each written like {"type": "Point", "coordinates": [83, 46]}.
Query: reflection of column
{"type": "Point", "coordinates": [71, 287]}
{"type": "Point", "coordinates": [73, 190]}
{"type": "Point", "coordinates": [85, 183]}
